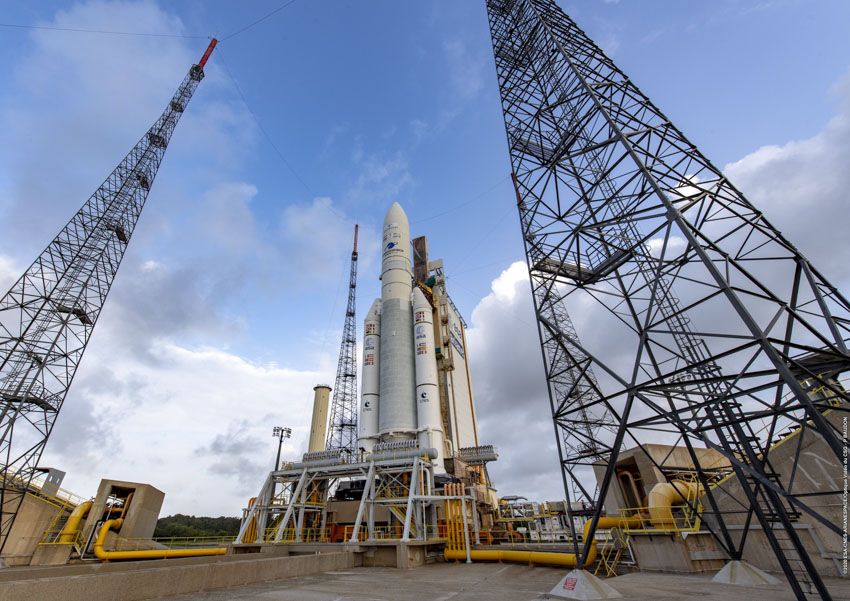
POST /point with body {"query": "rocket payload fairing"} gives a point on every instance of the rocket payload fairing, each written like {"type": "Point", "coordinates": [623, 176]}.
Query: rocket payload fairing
{"type": "Point", "coordinates": [399, 398]}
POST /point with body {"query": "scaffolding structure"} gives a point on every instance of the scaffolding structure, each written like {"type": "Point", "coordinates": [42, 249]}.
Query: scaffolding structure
{"type": "Point", "coordinates": [291, 506]}
{"type": "Point", "coordinates": [48, 315]}
{"type": "Point", "coordinates": [727, 336]}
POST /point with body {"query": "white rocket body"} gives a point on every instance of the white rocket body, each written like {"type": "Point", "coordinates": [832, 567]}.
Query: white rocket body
{"type": "Point", "coordinates": [397, 413]}
{"type": "Point", "coordinates": [427, 392]}
{"type": "Point", "coordinates": [370, 382]}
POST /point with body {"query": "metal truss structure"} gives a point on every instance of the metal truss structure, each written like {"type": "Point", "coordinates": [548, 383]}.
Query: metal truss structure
{"type": "Point", "coordinates": [399, 478]}
{"type": "Point", "coordinates": [342, 433]}
{"type": "Point", "coordinates": [724, 335]}
{"type": "Point", "coordinates": [47, 317]}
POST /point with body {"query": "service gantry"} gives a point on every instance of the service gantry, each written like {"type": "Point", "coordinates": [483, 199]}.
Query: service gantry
{"type": "Point", "coordinates": [47, 317]}
{"type": "Point", "coordinates": [726, 335]}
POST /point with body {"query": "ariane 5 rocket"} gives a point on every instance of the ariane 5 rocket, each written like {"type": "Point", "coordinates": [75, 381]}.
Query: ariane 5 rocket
{"type": "Point", "coordinates": [399, 391]}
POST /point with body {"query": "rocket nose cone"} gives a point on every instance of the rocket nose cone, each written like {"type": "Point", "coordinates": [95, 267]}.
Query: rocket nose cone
{"type": "Point", "coordinates": [396, 214]}
{"type": "Point", "coordinates": [375, 309]}
{"type": "Point", "coordinates": [418, 298]}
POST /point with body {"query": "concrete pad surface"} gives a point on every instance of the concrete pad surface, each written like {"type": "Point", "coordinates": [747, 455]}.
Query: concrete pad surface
{"type": "Point", "coordinates": [491, 582]}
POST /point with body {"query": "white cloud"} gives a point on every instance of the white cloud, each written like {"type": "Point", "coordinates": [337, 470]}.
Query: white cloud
{"type": "Point", "coordinates": [466, 69]}
{"type": "Point", "coordinates": [197, 424]}
{"type": "Point", "coordinates": [316, 240]}
{"type": "Point", "coordinates": [381, 178]}
{"type": "Point", "coordinates": [802, 187]}
{"type": "Point", "coordinates": [510, 389]}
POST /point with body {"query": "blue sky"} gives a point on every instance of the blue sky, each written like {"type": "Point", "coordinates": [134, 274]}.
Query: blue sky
{"type": "Point", "coordinates": [229, 304]}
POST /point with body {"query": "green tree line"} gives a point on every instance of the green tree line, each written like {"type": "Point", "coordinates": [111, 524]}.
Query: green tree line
{"type": "Point", "coordinates": [189, 525]}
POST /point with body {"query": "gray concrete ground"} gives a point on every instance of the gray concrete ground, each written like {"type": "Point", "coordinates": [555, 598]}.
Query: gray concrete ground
{"type": "Point", "coordinates": [491, 582]}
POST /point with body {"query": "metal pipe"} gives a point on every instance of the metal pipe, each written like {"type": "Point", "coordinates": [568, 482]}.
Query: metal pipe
{"type": "Point", "coordinates": [370, 483]}
{"type": "Point", "coordinates": [465, 529]}
{"type": "Point", "coordinates": [429, 453]}
{"type": "Point", "coordinates": [101, 553]}
{"type": "Point", "coordinates": [414, 482]}
{"type": "Point", "coordinates": [72, 526]}
{"type": "Point", "coordinates": [664, 495]}
{"type": "Point", "coordinates": [541, 557]}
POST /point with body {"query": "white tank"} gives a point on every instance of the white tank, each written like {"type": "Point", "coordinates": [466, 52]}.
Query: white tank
{"type": "Point", "coordinates": [370, 382]}
{"type": "Point", "coordinates": [427, 392]}
{"type": "Point", "coordinates": [397, 412]}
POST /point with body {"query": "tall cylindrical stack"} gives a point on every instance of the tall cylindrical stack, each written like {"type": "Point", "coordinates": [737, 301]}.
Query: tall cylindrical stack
{"type": "Point", "coordinates": [427, 392]}
{"type": "Point", "coordinates": [319, 423]}
{"type": "Point", "coordinates": [370, 381]}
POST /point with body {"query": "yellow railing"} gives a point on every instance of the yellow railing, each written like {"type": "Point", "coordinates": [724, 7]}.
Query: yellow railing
{"type": "Point", "coordinates": [673, 519]}
{"type": "Point", "coordinates": [308, 535]}
{"type": "Point", "coordinates": [611, 549]}
{"type": "Point", "coordinates": [381, 533]}
{"type": "Point", "coordinates": [62, 495]}
{"type": "Point", "coordinates": [52, 534]}
{"type": "Point", "coordinates": [454, 517]}
{"type": "Point", "coordinates": [172, 542]}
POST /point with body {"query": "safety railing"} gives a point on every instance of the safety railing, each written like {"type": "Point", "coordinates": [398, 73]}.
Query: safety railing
{"type": "Point", "coordinates": [664, 519]}
{"type": "Point", "coordinates": [65, 497]}
{"type": "Point", "coordinates": [52, 536]}
{"type": "Point", "coordinates": [171, 542]}
{"type": "Point", "coordinates": [611, 549]}
{"type": "Point", "coordinates": [380, 533]}
{"type": "Point", "coordinates": [308, 535]}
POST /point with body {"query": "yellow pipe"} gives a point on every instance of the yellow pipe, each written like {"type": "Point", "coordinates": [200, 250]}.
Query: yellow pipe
{"type": "Point", "coordinates": [540, 557]}
{"type": "Point", "coordinates": [72, 526]}
{"type": "Point", "coordinates": [664, 495]}
{"type": "Point", "coordinates": [100, 553]}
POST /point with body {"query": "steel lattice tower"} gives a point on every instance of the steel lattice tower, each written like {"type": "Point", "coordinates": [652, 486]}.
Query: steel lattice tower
{"type": "Point", "coordinates": [47, 317]}
{"type": "Point", "coordinates": [727, 336]}
{"type": "Point", "coordinates": [342, 433]}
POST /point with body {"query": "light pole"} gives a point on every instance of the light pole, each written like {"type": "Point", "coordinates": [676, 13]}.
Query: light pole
{"type": "Point", "coordinates": [280, 433]}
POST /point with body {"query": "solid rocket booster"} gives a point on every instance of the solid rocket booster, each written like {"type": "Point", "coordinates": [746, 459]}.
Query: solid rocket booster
{"type": "Point", "coordinates": [427, 393]}
{"type": "Point", "coordinates": [370, 391]}
{"type": "Point", "coordinates": [397, 412]}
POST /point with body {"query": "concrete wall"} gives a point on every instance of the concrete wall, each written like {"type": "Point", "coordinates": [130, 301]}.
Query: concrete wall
{"type": "Point", "coordinates": [136, 581]}
{"type": "Point", "coordinates": [818, 470]}
{"type": "Point", "coordinates": [667, 456]}
{"type": "Point", "coordinates": [140, 516]}
{"type": "Point", "coordinates": [34, 517]}
{"type": "Point", "coordinates": [696, 552]}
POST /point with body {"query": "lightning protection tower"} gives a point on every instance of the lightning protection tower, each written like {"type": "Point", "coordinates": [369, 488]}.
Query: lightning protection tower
{"type": "Point", "coordinates": [47, 317]}
{"type": "Point", "coordinates": [727, 337]}
{"type": "Point", "coordinates": [343, 420]}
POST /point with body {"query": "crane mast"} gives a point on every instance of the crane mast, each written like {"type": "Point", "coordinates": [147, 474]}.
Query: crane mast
{"type": "Point", "coordinates": [342, 433]}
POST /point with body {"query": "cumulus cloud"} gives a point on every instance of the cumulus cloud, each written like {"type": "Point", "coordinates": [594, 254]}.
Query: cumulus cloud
{"type": "Point", "coordinates": [316, 240]}
{"type": "Point", "coordinates": [510, 389]}
{"type": "Point", "coordinates": [197, 424]}
{"type": "Point", "coordinates": [381, 177]}
{"type": "Point", "coordinates": [466, 69]}
{"type": "Point", "coordinates": [802, 187]}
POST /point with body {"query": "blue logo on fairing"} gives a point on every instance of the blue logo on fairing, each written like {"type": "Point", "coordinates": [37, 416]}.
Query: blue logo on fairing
{"type": "Point", "coordinates": [391, 245]}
